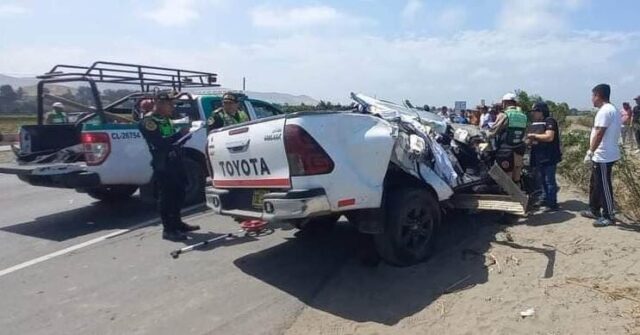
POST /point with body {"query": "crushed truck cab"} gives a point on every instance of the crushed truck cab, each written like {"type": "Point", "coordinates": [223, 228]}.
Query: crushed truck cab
{"type": "Point", "coordinates": [391, 170]}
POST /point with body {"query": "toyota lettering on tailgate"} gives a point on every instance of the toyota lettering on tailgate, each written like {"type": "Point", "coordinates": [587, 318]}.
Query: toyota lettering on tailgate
{"type": "Point", "coordinates": [245, 167]}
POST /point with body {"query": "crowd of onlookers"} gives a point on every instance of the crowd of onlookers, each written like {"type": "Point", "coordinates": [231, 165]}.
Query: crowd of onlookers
{"type": "Point", "coordinates": [514, 132]}
{"type": "Point", "coordinates": [631, 124]}
{"type": "Point", "coordinates": [485, 116]}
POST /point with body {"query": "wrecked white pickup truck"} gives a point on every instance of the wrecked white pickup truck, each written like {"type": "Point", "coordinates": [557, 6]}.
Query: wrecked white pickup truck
{"type": "Point", "coordinates": [391, 170]}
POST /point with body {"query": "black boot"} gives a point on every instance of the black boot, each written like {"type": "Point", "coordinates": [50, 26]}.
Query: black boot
{"type": "Point", "coordinates": [185, 227]}
{"type": "Point", "coordinates": [173, 235]}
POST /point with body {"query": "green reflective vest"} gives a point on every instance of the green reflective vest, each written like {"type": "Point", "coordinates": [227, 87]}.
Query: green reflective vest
{"type": "Point", "coordinates": [56, 117]}
{"type": "Point", "coordinates": [227, 119]}
{"type": "Point", "coordinates": [516, 126]}
{"type": "Point", "coordinates": [240, 117]}
{"type": "Point", "coordinates": [165, 126]}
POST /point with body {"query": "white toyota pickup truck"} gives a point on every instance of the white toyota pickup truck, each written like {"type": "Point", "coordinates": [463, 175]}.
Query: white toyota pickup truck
{"type": "Point", "coordinates": [391, 170]}
{"type": "Point", "coordinates": [102, 153]}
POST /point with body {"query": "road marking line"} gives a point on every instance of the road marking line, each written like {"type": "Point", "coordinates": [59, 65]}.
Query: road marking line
{"type": "Point", "coordinates": [88, 243]}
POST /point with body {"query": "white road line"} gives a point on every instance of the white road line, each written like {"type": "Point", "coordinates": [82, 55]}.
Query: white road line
{"type": "Point", "coordinates": [86, 244]}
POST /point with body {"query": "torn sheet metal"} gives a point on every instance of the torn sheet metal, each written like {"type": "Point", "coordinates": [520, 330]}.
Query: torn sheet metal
{"type": "Point", "coordinates": [391, 111]}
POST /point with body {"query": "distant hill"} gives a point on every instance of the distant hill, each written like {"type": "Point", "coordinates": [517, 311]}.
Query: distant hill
{"type": "Point", "coordinates": [29, 85]}
{"type": "Point", "coordinates": [53, 89]}
{"type": "Point", "coordinates": [283, 98]}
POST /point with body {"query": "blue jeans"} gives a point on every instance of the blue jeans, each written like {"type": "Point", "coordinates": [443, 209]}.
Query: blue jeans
{"type": "Point", "coordinates": [549, 184]}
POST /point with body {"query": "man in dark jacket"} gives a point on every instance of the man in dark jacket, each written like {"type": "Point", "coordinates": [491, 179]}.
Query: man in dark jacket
{"type": "Point", "coordinates": [546, 153]}
{"type": "Point", "coordinates": [168, 168]}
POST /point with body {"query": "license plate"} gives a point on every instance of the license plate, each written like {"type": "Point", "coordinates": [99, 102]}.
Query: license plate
{"type": "Point", "coordinates": [258, 196]}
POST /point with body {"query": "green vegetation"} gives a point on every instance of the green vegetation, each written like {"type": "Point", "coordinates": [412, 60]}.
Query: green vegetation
{"type": "Point", "coordinates": [626, 183]}
{"type": "Point", "coordinates": [9, 124]}
{"type": "Point", "coordinates": [322, 106]}
{"type": "Point", "coordinates": [559, 111]}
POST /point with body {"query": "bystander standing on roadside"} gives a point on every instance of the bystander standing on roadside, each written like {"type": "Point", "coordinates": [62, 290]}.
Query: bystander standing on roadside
{"type": "Point", "coordinates": [626, 122]}
{"type": "Point", "coordinates": [474, 116]}
{"type": "Point", "coordinates": [635, 123]}
{"type": "Point", "coordinates": [483, 112]}
{"type": "Point", "coordinates": [490, 117]}
{"type": "Point", "coordinates": [603, 153]}
{"type": "Point", "coordinates": [546, 154]}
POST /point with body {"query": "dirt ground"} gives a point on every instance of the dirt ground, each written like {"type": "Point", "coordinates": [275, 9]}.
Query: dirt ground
{"type": "Point", "coordinates": [6, 157]}
{"type": "Point", "coordinates": [573, 278]}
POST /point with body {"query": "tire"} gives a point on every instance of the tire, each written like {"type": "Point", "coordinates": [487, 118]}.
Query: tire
{"type": "Point", "coordinates": [412, 216]}
{"type": "Point", "coordinates": [196, 182]}
{"type": "Point", "coordinates": [114, 193]}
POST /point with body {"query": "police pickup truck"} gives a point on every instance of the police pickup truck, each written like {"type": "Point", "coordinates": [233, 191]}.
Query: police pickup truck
{"type": "Point", "coordinates": [391, 170]}
{"type": "Point", "coordinates": [102, 153]}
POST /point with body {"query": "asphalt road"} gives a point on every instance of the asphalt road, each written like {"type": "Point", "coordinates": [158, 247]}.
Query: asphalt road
{"type": "Point", "coordinates": [128, 284]}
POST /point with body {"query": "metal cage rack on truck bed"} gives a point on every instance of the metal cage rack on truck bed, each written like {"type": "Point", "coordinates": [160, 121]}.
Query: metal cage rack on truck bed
{"type": "Point", "coordinates": [146, 77]}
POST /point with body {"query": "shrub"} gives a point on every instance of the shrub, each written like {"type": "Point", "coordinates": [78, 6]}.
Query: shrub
{"type": "Point", "coordinates": [626, 180]}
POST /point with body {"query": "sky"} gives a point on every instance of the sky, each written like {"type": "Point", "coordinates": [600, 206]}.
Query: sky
{"type": "Point", "coordinates": [429, 51]}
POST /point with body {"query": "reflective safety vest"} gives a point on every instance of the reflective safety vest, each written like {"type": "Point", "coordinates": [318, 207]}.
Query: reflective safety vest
{"type": "Point", "coordinates": [165, 126]}
{"type": "Point", "coordinates": [516, 126]}
{"type": "Point", "coordinates": [240, 117]}
{"type": "Point", "coordinates": [57, 118]}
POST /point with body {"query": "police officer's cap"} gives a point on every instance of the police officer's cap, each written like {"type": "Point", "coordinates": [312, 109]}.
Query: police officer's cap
{"type": "Point", "coordinates": [230, 97]}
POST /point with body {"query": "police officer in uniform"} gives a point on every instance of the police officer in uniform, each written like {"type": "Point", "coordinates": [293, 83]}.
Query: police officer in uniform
{"type": "Point", "coordinates": [168, 168]}
{"type": "Point", "coordinates": [228, 114]}
{"type": "Point", "coordinates": [509, 131]}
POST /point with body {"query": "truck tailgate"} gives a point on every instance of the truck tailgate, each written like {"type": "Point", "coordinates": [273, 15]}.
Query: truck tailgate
{"type": "Point", "coordinates": [250, 156]}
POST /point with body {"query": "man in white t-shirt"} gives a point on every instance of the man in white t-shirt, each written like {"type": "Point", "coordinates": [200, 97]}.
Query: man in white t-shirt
{"type": "Point", "coordinates": [602, 155]}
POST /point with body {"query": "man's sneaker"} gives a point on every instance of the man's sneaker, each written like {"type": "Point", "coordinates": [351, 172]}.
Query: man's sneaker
{"type": "Point", "coordinates": [589, 215]}
{"type": "Point", "coordinates": [603, 222]}
{"type": "Point", "coordinates": [173, 235]}
{"type": "Point", "coordinates": [185, 227]}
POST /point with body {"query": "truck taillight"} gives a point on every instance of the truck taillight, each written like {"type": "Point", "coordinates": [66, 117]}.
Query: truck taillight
{"type": "Point", "coordinates": [306, 157]}
{"type": "Point", "coordinates": [96, 147]}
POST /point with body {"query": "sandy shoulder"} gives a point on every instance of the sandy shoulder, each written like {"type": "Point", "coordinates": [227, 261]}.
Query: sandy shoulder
{"type": "Point", "coordinates": [577, 278]}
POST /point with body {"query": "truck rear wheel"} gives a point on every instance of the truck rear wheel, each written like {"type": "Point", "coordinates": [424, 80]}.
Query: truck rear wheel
{"type": "Point", "coordinates": [412, 216]}
{"type": "Point", "coordinates": [196, 182]}
{"type": "Point", "coordinates": [113, 193]}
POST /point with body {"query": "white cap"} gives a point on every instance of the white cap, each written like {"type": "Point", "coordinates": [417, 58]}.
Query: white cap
{"type": "Point", "coordinates": [57, 105]}
{"type": "Point", "coordinates": [509, 97]}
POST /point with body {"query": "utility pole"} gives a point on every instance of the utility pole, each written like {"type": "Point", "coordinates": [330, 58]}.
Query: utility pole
{"type": "Point", "coordinates": [244, 84]}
